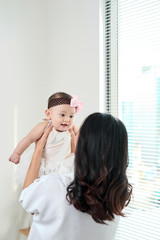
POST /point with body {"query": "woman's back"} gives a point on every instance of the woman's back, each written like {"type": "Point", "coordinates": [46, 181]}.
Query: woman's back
{"type": "Point", "coordinates": [78, 206]}
{"type": "Point", "coordinates": [55, 218]}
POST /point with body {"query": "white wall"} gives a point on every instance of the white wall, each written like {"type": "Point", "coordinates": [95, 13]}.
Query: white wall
{"type": "Point", "coordinates": [23, 77]}
{"type": "Point", "coordinates": [45, 46]}
{"type": "Point", "coordinates": [73, 50]}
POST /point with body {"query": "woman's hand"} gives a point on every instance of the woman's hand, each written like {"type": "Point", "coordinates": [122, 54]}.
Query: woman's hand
{"type": "Point", "coordinates": [74, 138]}
{"type": "Point", "coordinates": [33, 170]}
{"type": "Point", "coordinates": [40, 143]}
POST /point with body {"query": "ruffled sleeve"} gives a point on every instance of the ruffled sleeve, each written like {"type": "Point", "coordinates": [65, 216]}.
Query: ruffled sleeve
{"type": "Point", "coordinates": [31, 198]}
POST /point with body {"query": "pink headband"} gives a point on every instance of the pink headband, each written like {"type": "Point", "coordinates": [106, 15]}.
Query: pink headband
{"type": "Point", "coordinates": [73, 102]}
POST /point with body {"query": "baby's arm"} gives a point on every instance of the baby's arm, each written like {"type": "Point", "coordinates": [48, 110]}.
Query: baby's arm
{"type": "Point", "coordinates": [31, 137]}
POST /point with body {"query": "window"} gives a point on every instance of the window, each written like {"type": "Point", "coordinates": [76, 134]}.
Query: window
{"type": "Point", "coordinates": [132, 76]}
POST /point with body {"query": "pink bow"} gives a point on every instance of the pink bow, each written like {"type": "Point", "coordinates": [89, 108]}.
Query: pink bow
{"type": "Point", "coordinates": [75, 103]}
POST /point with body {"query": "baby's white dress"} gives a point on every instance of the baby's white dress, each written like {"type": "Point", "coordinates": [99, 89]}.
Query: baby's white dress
{"type": "Point", "coordinates": [56, 156]}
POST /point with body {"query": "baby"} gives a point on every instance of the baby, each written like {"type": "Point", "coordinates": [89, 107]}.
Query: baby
{"type": "Point", "coordinates": [58, 152]}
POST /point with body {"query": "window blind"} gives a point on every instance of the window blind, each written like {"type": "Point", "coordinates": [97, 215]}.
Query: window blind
{"type": "Point", "coordinates": [108, 55]}
{"type": "Point", "coordinates": [132, 51]}
{"type": "Point", "coordinates": [110, 44]}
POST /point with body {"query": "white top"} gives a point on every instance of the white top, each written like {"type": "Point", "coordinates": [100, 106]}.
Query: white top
{"type": "Point", "coordinates": [54, 218]}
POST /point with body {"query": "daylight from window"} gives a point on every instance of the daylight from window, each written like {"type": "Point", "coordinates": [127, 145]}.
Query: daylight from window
{"type": "Point", "coordinates": [139, 108]}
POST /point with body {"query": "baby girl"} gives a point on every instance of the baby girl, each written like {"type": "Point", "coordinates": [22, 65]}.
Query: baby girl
{"type": "Point", "coordinates": [58, 152]}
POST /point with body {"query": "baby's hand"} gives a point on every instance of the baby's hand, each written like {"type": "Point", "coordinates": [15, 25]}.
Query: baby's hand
{"type": "Point", "coordinates": [15, 158]}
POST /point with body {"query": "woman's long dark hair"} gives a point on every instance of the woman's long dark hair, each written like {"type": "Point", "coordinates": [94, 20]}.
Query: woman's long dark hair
{"type": "Point", "coordinates": [100, 186]}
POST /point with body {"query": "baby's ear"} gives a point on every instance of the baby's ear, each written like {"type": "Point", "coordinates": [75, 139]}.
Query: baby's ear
{"type": "Point", "coordinates": [47, 113]}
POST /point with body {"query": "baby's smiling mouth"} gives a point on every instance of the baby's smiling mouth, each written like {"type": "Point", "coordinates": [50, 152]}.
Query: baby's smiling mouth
{"type": "Point", "coordinates": [64, 125]}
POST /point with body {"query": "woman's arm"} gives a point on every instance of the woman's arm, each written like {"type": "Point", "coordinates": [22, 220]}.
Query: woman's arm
{"type": "Point", "coordinates": [32, 136]}
{"type": "Point", "coordinates": [74, 131]}
{"type": "Point", "coordinates": [33, 170]}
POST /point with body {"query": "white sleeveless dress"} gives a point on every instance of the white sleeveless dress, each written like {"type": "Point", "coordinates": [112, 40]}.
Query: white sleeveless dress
{"type": "Point", "coordinates": [56, 156]}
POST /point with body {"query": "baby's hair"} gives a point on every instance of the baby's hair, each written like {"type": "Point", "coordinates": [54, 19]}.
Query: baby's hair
{"type": "Point", "coordinates": [59, 95]}
{"type": "Point", "coordinates": [100, 186]}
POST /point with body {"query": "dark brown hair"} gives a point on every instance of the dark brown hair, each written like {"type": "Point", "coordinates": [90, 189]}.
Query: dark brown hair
{"type": "Point", "coordinates": [58, 95]}
{"type": "Point", "coordinates": [100, 186]}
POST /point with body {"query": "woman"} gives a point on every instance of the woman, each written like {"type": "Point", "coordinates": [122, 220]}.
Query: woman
{"type": "Point", "coordinates": [85, 204]}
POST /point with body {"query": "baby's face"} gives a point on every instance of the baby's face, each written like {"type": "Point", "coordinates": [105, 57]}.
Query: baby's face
{"type": "Point", "coordinates": [62, 117]}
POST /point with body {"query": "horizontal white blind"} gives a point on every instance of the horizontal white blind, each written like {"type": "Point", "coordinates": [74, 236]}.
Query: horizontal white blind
{"type": "Point", "coordinates": [138, 77]}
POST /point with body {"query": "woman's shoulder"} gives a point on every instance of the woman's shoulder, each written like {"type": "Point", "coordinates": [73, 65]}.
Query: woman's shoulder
{"type": "Point", "coordinates": [59, 176]}
{"type": "Point", "coordinates": [56, 179]}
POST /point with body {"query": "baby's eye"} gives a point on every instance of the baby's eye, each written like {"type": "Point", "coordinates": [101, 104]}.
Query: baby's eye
{"type": "Point", "coordinates": [62, 114]}
{"type": "Point", "coordinates": [71, 116]}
